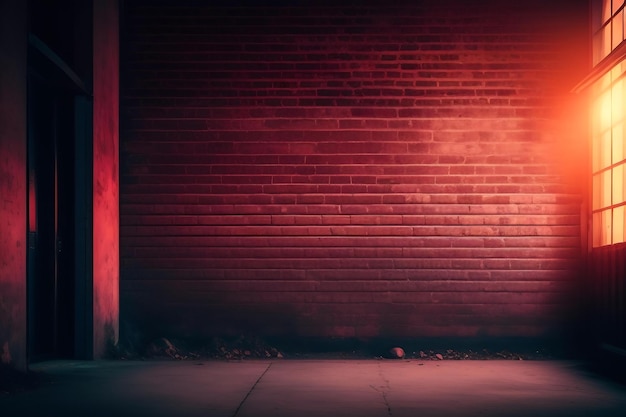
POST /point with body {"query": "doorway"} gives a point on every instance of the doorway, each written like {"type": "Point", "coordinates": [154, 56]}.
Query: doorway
{"type": "Point", "coordinates": [51, 281]}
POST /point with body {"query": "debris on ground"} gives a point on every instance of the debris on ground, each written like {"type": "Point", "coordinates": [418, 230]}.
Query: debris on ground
{"type": "Point", "coordinates": [241, 347]}
{"type": "Point", "coordinates": [484, 354]}
{"type": "Point", "coordinates": [216, 348]}
{"type": "Point", "coordinates": [162, 347]}
{"type": "Point", "coordinates": [247, 347]}
{"type": "Point", "coordinates": [396, 353]}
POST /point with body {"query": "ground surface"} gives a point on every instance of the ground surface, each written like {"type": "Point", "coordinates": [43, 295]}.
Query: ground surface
{"type": "Point", "coordinates": [304, 388]}
{"type": "Point", "coordinates": [246, 347]}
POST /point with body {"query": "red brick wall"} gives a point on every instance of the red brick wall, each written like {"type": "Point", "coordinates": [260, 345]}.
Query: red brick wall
{"type": "Point", "coordinates": [346, 171]}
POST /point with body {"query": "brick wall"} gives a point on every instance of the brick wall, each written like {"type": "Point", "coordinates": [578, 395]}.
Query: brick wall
{"type": "Point", "coordinates": [363, 170]}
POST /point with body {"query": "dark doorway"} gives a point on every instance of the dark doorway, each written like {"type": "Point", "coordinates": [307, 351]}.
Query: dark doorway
{"type": "Point", "coordinates": [60, 108]}
{"type": "Point", "coordinates": [51, 281]}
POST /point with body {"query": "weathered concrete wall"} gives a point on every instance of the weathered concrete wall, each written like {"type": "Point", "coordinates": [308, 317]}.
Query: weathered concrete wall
{"type": "Point", "coordinates": [13, 47]}
{"type": "Point", "coordinates": [105, 175]}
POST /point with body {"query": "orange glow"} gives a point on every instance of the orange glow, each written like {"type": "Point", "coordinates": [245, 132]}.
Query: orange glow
{"type": "Point", "coordinates": [609, 157]}
{"type": "Point", "coordinates": [605, 110]}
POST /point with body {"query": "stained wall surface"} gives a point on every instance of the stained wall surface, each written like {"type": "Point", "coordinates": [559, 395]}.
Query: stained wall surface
{"type": "Point", "coordinates": [13, 245]}
{"type": "Point", "coordinates": [105, 176]}
{"type": "Point", "coordinates": [362, 169]}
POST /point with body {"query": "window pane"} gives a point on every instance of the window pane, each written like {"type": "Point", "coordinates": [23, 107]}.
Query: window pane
{"type": "Point", "coordinates": [596, 14]}
{"type": "Point", "coordinates": [624, 23]}
{"type": "Point", "coordinates": [601, 190]}
{"type": "Point", "coordinates": [601, 151]}
{"type": "Point", "coordinates": [617, 143]}
{"type": "Point", "coordinates": [606, 41]}
{"type": "Point", "coordinates": [605, 193]}
{"type": "Point", "coordinates": [602, 142]}
{"type": "Point", "coordinates": [617, 101]}
{"type": "Point", "coordinates": [606, 227]}
{"type": "Point", "coordinates": [605, 150]}
{"type": "Point", "coordinates": [596, 152]}
{"type": "Point", "coordinates": [606, 10]}
{"type": "Point", "coordinates": [604, 110]}
{"type": "Point", "coordinates": [602, 228]}
{"type": "Point", "coordinates": [596, 226]}
{"type": "Point", "coordinates": [617, 196]}
{"type": "Point", "coordinates": [618, 225]}
{"type": "Point", "coordinates": [597, 48]}
{"type": "Point", "coordinates": [596, 187]}
{"type": "Point", "coordinates": [618, 29]}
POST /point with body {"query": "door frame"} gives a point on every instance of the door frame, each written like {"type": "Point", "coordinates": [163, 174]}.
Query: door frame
{"type": "Point", "coordinates": [44, 62]}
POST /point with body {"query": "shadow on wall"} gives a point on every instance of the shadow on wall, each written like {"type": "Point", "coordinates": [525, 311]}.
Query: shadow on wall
{"type": "Point", "coordinates": [198, 326]}
{"type": "Point", "coordinates": [5, 348]}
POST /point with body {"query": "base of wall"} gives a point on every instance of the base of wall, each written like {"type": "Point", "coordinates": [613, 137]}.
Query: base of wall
{"type": "Point", "coordinates": [450, 348]}
{"type": "Point", "coordinates": [246, 346]}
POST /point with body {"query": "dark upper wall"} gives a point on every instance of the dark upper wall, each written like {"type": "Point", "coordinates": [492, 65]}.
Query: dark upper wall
{"type": "Point", "coordinates": [358, 170]}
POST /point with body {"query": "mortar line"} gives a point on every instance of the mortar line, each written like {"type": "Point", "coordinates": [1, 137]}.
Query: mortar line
{"type": "Point", "coordinates": [251, 389]}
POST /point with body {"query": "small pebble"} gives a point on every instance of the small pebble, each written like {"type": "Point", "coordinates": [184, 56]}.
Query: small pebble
{"type": "Point", "coordinates": [396, 353]}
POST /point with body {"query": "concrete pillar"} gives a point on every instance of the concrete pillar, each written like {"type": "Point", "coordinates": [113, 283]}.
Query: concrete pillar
{"type": "Point", "coordinates": [13, 185]}
{"type": "Point", "coordinates": [105, 176]}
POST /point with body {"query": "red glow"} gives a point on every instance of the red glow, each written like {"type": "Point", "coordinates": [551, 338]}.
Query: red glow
{"type": "Point", "coordinates": [105, 176]}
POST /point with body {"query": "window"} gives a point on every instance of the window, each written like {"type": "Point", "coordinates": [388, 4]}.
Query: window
{"type": "Point", "coordinates": [608, 149]}
{"type": "Point", "coordinates": [608, 27]}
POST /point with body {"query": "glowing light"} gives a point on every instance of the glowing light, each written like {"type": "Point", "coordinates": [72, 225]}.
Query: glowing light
{"type": "Point", "coordinates": [605, 110]}
{"type": "Point", "coordinates": [609, 158]}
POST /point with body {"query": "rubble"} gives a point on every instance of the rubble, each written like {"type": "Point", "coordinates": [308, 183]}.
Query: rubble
{"type": "Point", "coordinates": [396, 353]}
{"type": "Point", "coordinates": [246, 347]}
{"type": "Point", "coordinates": [216, 348]}
{"type": "Point", "coordinates": [484, 354]}
{"type": "Point", "coordinates": [162, 347]}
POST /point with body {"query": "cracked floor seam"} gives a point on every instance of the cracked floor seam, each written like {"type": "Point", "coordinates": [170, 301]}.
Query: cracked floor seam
{"type": "Point", "coordinates": [385, 390]}
{"type": "Point", "coordinates": [251, 389]}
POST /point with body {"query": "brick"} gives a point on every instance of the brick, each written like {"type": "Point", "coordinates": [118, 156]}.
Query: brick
{"type": "Point", "coordinates": [391, 181]}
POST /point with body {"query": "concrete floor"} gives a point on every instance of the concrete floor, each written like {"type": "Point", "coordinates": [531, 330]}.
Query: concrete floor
{"type": "Point", "coordinates": [317, 388]}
